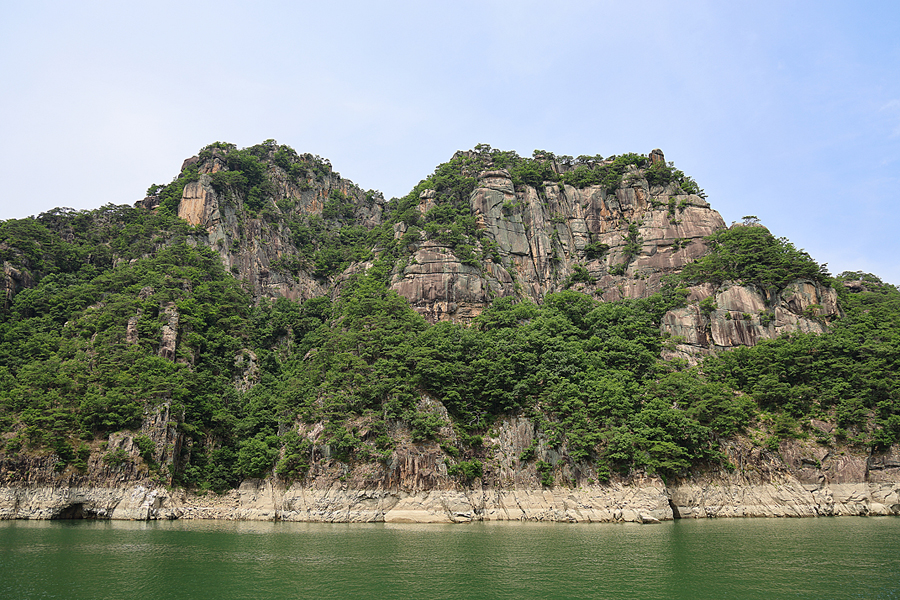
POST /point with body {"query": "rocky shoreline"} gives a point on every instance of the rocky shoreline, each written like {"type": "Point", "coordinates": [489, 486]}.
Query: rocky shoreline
{"type": "Point", "coordinates": [650, 501]}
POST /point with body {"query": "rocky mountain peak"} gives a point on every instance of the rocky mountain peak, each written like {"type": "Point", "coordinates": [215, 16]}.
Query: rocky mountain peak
{"type": "Point", "coordinates": [487, 224]}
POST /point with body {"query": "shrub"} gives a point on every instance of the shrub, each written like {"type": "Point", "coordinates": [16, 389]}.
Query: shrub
{"type": "Point", "coordinates": [338, 206]}
{"type": "Point", "coordinates": [545, 470]}
{"type": "Point", "coordinates": [595, 250]}
{"type": "Point", "coordinates": [466, 470]}
{"type": "Point", "coordinates": [529, 452]}
{"type": "Point", "coordinates": [750, 254]}
{"type": "Point", "coordinates": [579, 275]}
{"type": "Point", "coordinates": [116, 457]}
{"type": "Point", "coordinates": [13, 446]}
{"type": "Point", "coordinates": [708, 306]}
{"type": "Point", "coordinates": [603, 472]}
{"type": "Point", "coordinates": [812, 311]}
{"type": "Point", "coordinates": [633, 242]}
{"type": "Point", "coordinates": [257, 454]}
{"type": "Point", "coordinates": [425, 426]}
{"type": "Point", "coordinates": [295, 462]}
{"type": "Point", "coordinates": [146, 448]}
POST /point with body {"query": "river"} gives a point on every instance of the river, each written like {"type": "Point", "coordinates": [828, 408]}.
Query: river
{"type": "Point", "coordinates": [771, 559]}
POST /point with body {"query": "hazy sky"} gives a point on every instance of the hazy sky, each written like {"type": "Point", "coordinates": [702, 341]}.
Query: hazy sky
{"type": "Point", "coordinates": [789, 111]}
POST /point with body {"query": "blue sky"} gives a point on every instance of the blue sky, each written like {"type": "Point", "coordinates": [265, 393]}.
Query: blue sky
{"type": "Point", "coordinates": [789, 111]}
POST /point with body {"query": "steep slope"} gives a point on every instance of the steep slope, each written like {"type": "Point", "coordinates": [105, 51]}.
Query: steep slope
{"type": "Point", "coordinates": [268, 211]}
{"type": "Point", "coordinates": [613, 228]}
{"type": "Point", "coordinates": [552, 235]}
{"type": "Point", "coordinates": [480, 348]}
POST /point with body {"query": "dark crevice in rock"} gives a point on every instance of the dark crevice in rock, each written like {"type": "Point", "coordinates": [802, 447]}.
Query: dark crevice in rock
{"type": "Point", "coordinates": [74, 511]}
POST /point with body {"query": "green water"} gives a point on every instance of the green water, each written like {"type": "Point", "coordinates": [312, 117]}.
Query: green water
{"type": "Point", "coordinates": [759, 558]}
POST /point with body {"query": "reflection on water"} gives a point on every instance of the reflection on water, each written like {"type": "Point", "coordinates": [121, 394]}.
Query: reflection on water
{"type": "Point", "coordinates": [760, 558]}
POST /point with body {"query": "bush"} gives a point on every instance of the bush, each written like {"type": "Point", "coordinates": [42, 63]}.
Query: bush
{"type": "Point", "coordinates": [116, 457]}
{"type": "Point", "coordinates": [633, 242]}
{"type": "Point", "coordinates": [146, 448]}
{"type": "Point", "coordinates": [752, 255]}
{"type": "Point", "coordinates": [257, 455]}
{"type": "Point", "coordinates": [529, 452]}
{"type": "Point", "coordinates": [579, 275]}
{"type": "Point", "coordinates": [425, 426]}
{"type": "Point", "coordinates": [618, 269]}
{"type": "Point", "coordinates": [13, 446]}
{"type": "Point", "coordinates": [595, 250]}
{"type": "Point", "coordinates": [467, 470]}
{"type": "Point", "coordinates": [708, 306]}
{"type": "Point", "coordinates": [545, 470]}
{"type": "Point", "coordinates": [338, 206]}
{"type": "Point", "coordinates": [295, 462]}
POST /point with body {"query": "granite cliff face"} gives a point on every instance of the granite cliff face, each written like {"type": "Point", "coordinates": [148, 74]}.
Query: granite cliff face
{"type": "Point", "coordinates": [612, 244]}
{"type": "Point", "coordinates": [542, 234]}
{"type": "Point", "coordinates": [253, 243]}
{"type": "Point", "coordinates": [536, 239]}
{"type": "Point", "coordinates": [13, 281]}
{"type": "Point", "coordinates": [745, 315]}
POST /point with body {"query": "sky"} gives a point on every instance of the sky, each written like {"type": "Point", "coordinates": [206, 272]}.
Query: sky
{"type": "Point", "coordinates": [785, 110]}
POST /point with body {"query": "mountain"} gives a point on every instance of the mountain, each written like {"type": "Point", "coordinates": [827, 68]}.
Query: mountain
{"type": "Point", "coordinates": [485, 225]}
{"type": "Point", "coordinates": [509, 332]}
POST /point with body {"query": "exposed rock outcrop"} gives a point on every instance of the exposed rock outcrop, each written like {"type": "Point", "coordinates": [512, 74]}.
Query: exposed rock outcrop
{"type": "Point", "coordinates": [263, 501]}
{"type": "Point", "coordinates": [254, 246]}
{"type": "Point", "coordinates": [169, 332]}
{"type": "Point", "coordinates": [643, 502]}
{"type": "Point", "coordinates": [801, 479]}
{"type": "Point", "coordinates": [542, 234]}
{"type": "Point", "coordinates": [13, 281]}
{"type": "Point", "coordinates": [744, 315]}
{"type": "Point", "coordinates": [538, 234]}
{"type": "Point", "coordinates": [619, 243]}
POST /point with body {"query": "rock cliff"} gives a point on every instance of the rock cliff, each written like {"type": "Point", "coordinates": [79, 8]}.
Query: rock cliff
{"type": "Point", "coordinates": [256, 245]}
{"type": "Point", "coordinates": [13, 281]}
{"type": "Point", "coordinates": [744, 315]}
{"type": "Point", "coordinates": [611, 242]}
{"type": "Point", "coordinates": [543, 237]}
{"type": "Point", "coordinates": [535, 239]}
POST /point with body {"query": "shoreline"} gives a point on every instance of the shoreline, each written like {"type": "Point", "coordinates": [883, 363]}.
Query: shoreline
{"type": "Point", "coordinates": [265, 500]}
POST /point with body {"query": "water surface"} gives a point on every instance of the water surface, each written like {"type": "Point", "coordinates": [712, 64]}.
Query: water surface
{"type": "Point", "coordinates": [739, 558]}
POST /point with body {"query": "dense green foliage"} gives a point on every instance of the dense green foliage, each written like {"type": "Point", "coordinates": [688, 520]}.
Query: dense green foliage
{"type": "Point", "coordinates": [69, 371]}
{"type": "Point", "coordinates": [845, 376]}
{"type": "Point", "coordinates": [750, 254]}
{"type": "Point", "coordinates": [324, 248]}
{"type": "Point", "coordinates": [578, 367]}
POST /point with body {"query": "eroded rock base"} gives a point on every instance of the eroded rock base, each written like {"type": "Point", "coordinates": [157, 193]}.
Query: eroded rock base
{"type": "Point", "coordinates": [265, 501]}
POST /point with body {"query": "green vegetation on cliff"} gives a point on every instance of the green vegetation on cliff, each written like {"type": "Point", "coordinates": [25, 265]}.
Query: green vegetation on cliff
{"type": "Point", "coordinates": [846, 376]}
{"type": "Point", "coordinates": [749, 254]}
{"type": "Point", "coordinates": [116, 312]}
